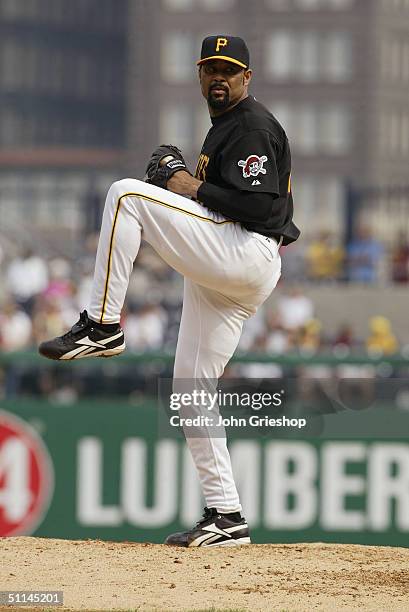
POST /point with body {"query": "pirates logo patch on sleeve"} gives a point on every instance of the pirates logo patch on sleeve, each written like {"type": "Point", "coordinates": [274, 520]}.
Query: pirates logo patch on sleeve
{"type": "Point", "coordinates": [253, 165]}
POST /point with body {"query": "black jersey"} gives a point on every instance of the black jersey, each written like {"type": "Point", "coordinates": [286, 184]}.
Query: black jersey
{"type": "Point", "coordinates": [245, 164]}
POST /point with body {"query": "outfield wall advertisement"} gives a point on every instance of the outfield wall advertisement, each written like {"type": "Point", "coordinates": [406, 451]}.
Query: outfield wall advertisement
{"type": "Point", "coordinates": [108, 471]}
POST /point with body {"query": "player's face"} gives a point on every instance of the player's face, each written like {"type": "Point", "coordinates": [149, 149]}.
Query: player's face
{"type": "Point", "coordinates": [223, 83]}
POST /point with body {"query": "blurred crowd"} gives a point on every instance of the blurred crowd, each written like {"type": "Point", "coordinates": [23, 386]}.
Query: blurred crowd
{"type": "Point", "coordinates": [291, 327]}
{"type": "Point", "coordinates": [365, 260]}
{"type": "Point", "coordinates": [42, 297]}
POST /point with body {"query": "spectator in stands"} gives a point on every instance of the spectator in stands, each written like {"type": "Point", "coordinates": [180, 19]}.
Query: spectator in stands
{"type": "Point", "coordinates": [27, 276]}
{"type": "Point", "coordinates": [381, 339]}
{"type": "Point", "coordinates": [60, 284]}
{"type": "Point", "coordinates": [294, 309]}
{"type": "Point", "coordinates": [325, 258]}
{"type": "Point", "coordinates": [82, 291]}
{"type": "Point", "coordinates": [47, 317]}
{"type": "Point", "coordinates": [257, 369]}
{"type": "Point", "coordinates": [278, 341]}
{"type": "Point", "coordinates": [145, 329]}
{"type": "Point", "coordinates": [84, 273]}
{"type": "Point", "coordinates": [253, 328]}
{"type": "Point", "coordinates": [400, 260]}
{"type": "Point", "coordinates": [309, 337]}
{"type": "Point", "coordinates": [310, 342]}
{"type": "Point", "coordinates": [344, 340]}
{"type": "Point", "coordinates": [61, 289]}
{"type": "Point", "coordinates": [15, 328]}
{"type": "Point", "coordinates": [364, 256]}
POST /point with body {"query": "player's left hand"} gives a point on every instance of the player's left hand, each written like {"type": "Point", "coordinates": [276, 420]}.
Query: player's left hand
{"type": "Point", "coordinates": [165, 161]}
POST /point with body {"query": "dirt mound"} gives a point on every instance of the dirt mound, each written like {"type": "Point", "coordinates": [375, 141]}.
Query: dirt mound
{"type": "Point", "coordinates": [96, 575]}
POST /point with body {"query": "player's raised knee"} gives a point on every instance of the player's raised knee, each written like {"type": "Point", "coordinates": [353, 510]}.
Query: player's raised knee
{"type": "Point", "coordinates": [126, 185]}
{"type": "Point", "coordinates": [123, 187]}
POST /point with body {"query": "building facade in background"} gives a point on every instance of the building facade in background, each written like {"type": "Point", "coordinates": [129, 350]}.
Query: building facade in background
{"type": "Point", "coordinates": [62, 73]}
{"type": "Point", "coordinates": [334, 72]}
{"type": "Point", "coordinates": [62, 114]}
{"type": "Point", "coordinates": [90, 87]}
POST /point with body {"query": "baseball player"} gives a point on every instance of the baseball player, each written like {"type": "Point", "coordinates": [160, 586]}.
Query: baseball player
{"type": "Point", "coordinates": [221, 229]}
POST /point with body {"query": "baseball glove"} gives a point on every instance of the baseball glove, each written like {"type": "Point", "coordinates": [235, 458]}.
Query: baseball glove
{"type": "Point", "coordinates": [164, 162]}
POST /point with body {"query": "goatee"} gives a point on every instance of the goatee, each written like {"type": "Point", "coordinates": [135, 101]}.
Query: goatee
{"type": "Point", "coordinates": [218, 103]}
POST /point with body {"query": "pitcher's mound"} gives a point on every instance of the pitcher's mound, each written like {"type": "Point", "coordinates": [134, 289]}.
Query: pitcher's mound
{"type": "Point", "coordinates": [96, 575]}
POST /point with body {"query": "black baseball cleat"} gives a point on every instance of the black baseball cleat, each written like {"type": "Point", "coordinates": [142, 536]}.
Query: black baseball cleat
{"type": "Point", "coordinates": [85, 340]}
{"type": "Point", "coordinates": [214, 529]}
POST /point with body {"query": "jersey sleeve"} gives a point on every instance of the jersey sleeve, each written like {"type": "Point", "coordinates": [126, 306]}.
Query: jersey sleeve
{"type": "Point", "coordinates": [249, 163]}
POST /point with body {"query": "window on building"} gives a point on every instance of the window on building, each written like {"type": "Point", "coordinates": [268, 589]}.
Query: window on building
{"type": "Point", "coordinates": [13, 207]}
{"type": "Point", "coordinates": [285, 113]}
{"type": "Point", "coordinates": [10, 9]}
{"type": "Point", "coordinates": [394, 132]}
{"type": "Point", "coordinates": [405, 62]}
{"type": "Point", "coordinates": [383, 58]}
{"type": "Point", "coordinates": [282, 111]}
{"type": "Point", "coordinates": [308, 55]}
{"type": "Point", "coordinates": [306, 129]}
{"type": "Point", "coordinates": [278, 5]}
{"type": "Point", "coordinates": [279, 61]}
{"type": "Point", "coordinates": [331, 198]}
{"type": "Point", "coordinates": [203, 125]}
{"type": "Point", "coordinates": [404, 134]}
{"type": "Point", "coordinates": [394, 57]}
{"type": "Point", "coordinates": [9, 127]}
{"type": "Point", "coordinates": [339, 4]}
{"type": "Point", "coordinates": [83, 76]}
{"type": "Point", "coordinates": [308, 51]}
{"type": "Point", "coordinates": [216, 5]}
{"type": "Point", "coordinates": [176, 126]}
{"type": "Point", "coordinates": [29, 68]}
{"type": "Point", "coordinates": [178, 5]}
{"type": "Point", "coordinates": [337, 56]}
{"type": "Point", "coordinates": [309, 5]}
{"type": "Point", "coordinates": [335, 131]}
{"type": "Point", "coordinates": [383, 132]}
{"type": "Point", "coordinates": [207, 5]}
{"type": "Point", "coordinates": [56, 13]}
{"type": "Point", "coordinates": [33, 9]}
{"type": "Point", "coordinates": [321, 199]}
{"type": "Point", "coordinates": [11, 64]}
{"type": "Point", "coordinates": [178, 45]}
{"type": "Point", "coordinates": [27, 10]}
{"type": "Point", "coordinates": [59, 77]}
{"type": "Point", "coordinates": [314, 130]}
{"type": "Point", "coordinates": [304, 188]}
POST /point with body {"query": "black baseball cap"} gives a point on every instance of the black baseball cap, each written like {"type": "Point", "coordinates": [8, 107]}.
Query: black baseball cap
{"type": "Point", "coordinates": [230, 48]}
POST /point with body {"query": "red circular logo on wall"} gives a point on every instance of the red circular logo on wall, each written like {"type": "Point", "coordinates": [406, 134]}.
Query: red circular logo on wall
{"type": "Point", "coordinates": [26, 477]}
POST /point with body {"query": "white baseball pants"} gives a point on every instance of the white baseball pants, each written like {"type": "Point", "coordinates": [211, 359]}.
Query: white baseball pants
{"type": "Point", "coordinates": [228, 271]}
